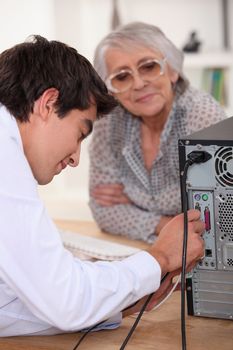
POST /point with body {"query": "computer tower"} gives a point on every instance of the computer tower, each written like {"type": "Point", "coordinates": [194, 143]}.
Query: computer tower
{"type": "Point", "coordinates": [209, 188]}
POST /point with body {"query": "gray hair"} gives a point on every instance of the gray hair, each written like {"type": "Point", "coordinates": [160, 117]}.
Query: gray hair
{"type": "Point", "coordinates": [143, 34]}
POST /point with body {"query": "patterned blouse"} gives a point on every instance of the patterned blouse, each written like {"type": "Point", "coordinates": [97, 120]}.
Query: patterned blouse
{"type": "Point", "coordinates": [116, 157]}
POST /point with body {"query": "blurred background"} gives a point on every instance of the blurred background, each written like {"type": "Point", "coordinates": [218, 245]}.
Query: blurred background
{"type": "Point", "coordinates": [83, 23]}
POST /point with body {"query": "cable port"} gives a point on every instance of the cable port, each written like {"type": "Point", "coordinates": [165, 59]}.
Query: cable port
{"type": "Point", "coordinates": [207, 219]}
{"type": "Point", "coordinates": [197, 206]}
{"type": "Point", "coordinates": [198, 157]}
{"type": "Point", "coordinates": [208, 252]}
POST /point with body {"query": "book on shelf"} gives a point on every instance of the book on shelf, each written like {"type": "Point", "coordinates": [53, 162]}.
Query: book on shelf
{"type": "Point", "coordinates": [213, 81]}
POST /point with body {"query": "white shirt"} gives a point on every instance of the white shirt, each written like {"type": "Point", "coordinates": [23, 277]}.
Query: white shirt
{"type": "Point", "coordinates": [43, 288]}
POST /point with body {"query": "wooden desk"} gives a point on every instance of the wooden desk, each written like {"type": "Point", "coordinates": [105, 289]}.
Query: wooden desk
{"type": "Point", "coordinates": [157, 330]}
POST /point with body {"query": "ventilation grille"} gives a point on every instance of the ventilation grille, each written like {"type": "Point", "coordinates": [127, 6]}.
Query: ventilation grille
{"type": "Point", "coordinates": [225, 209]}
{"type": "Point", "coordinates": [224, 166]}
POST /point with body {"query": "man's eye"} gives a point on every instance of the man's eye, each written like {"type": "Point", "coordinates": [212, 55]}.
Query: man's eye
{"type": "Point", "coordinates": [83, 136]}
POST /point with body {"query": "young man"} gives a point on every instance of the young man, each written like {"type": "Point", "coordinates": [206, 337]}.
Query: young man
{"type": "Point", "coordinates": [50, 96]}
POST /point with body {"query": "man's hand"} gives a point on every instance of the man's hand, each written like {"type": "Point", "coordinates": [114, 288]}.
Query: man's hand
{"type": "Point", "coordinates": [162, 222]}
{"type": "Point", "coordinates": [158, 296]}
{"type": "Point", "coordinates": [110, 194]}
{"type": "Point", "coordinates": [167, 249]}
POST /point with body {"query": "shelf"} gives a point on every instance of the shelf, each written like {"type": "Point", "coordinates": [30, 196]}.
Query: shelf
{"type": "Point", "coordinates": [208, 60]}
{"type": "Point", "coordinates": [200, 69]}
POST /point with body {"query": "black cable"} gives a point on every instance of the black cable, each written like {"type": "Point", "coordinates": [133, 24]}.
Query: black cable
{"type": "Point", "coordinates": [193, 157]}
{"type": "Point", "coordinates": [132, 328]}
{"type": "Point", "coordinates": [86, 333]}
{"type": "Point", "coordinates": [184, 254]}
{"type": "Point", "coordinates": [139, 317]}
{"type": "Point", "coordinates": [136, 322]}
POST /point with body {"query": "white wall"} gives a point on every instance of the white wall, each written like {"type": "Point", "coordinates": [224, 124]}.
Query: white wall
{"type": "Point", "coordinates": [19, 19]}
{"type": "Point", "coordinates": [89, 20]}
{"type": "Point", "coordinates": [230, 17]}
{"type": "Point", "coordinates": [82, 23]}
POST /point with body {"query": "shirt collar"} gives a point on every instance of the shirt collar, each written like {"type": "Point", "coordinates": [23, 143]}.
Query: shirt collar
{"type": "Point", "coordinates": [8, 122]}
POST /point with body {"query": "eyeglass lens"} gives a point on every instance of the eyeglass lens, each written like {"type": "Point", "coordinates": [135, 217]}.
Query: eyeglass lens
{"type": "Point", "coordinates": [148, 70]}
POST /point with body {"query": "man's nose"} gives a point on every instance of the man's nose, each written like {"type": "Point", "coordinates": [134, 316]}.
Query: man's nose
{"type": "Point", "coordinates": [74, 158]}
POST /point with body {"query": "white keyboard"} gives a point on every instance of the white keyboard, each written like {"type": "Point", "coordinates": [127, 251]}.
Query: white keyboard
{"type": "Point", "coordinates": [85, 246]}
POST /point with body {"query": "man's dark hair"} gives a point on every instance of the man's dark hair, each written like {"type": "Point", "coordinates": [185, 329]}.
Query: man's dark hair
{"type": "Point", "coordinates": [29, 68]}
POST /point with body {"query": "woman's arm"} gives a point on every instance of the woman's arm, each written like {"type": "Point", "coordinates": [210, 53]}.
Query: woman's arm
{"type": "Point", "coordinates": [112, 208]}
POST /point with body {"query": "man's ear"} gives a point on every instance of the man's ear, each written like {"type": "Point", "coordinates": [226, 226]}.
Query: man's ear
{"type": "Point", "coordinates": [45, 103]}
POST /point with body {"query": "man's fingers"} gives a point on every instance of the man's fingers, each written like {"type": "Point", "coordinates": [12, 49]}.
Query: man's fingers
{"type": "Point", "coordinates": [191, 266]}
{"type": "Point", "coordinates": [193, 215]}
{"type": "Point", "coordinates": [197, 226]}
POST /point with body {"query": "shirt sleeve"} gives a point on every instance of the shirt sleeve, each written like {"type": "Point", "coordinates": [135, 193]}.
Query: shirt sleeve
{"type": "Point", "coordinates": [112, 323]}
{"type": "Point", "coordinates": [129, 219]}
{"type": "Point", "coordinates": [67, 293]}
{"type": "Point", "coordinates": [64, 292]}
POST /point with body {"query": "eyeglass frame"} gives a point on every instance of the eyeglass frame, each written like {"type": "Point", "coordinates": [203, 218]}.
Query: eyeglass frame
{"type": "Point", "coordinates": [161, 62]}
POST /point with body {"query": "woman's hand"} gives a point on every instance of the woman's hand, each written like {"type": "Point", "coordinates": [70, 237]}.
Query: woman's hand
{"type": "Point", "coordinates": [110, 194]}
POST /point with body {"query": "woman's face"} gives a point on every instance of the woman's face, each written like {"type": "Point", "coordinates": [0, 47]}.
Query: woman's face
{"type": "Point", "coordinates": [145, 98]}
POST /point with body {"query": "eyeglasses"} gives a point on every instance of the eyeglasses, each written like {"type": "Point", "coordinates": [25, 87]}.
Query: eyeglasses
{"type": "Point", "coordinates": [123, 80]}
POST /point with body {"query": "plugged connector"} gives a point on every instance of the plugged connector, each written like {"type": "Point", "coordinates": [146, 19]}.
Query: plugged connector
{"type": "Point", "coordinates": [198, 157]}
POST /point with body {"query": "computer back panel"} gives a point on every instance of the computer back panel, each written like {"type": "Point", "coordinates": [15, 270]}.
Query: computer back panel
{"type": "Point", "coordinates": [210, 189]}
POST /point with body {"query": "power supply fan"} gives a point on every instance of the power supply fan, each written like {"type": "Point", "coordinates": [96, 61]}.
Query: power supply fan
{"type": "Point", "coordinates": [224, 166]}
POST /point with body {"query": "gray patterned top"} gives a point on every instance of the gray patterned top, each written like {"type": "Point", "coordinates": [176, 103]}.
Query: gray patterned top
{"type": "Point", "coordinates": [116, 157]}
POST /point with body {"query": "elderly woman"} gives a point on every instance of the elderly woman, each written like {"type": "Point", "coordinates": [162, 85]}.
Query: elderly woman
{"type": "Point", "coordinates": [134, 169]}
